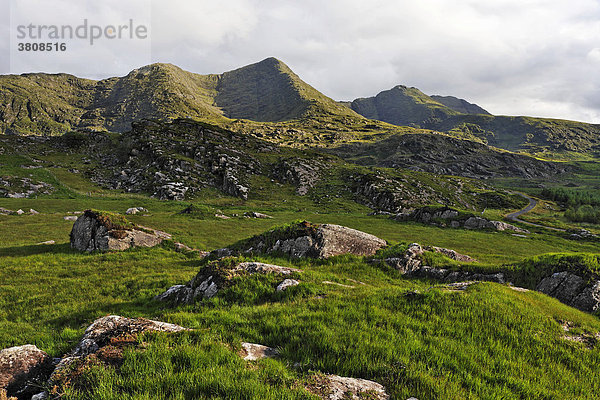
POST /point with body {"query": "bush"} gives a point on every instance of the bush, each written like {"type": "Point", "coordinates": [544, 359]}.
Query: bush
{"type": "Point", "coordinates": [585, 213]}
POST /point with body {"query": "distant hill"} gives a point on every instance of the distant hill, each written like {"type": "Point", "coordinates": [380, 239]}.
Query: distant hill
{"type": "Point", "coordinates": [402, 105]}
{"type": "Point", "coordinates": [539, 136]}
{"type": "Point", "coordinates": [460, 105]}
{"type": "Point", "coordinates": [268, 100]}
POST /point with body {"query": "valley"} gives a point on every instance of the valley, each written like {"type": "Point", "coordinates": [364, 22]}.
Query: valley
{"type": "Point", "coordinates": [158, 229]}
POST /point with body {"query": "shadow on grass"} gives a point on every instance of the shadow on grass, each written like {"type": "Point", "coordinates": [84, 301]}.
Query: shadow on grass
{"type": "Point", "coordinates": [36, 249]}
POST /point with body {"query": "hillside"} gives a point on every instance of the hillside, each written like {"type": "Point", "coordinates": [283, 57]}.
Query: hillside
{"type": "Point", "coordinates": [440, 154]}
{"type": "Point", "coordinates": [460, 105]}
{"type": "Point", "coordinates": [267, 91]}
{"type": "Point", "coordinates": [402, 106]}
{"type": "Point", "coordinates": [552, 138]}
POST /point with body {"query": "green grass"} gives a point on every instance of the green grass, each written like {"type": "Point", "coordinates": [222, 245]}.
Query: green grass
{"type": "Point", "coordinates": [191, 365]}
{"type": "Point", "coordinates": [416, 337]}
{"type": "Point", "coordinates": [486, 342]}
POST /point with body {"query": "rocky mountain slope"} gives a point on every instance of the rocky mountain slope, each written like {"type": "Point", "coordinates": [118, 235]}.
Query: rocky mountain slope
{"type": "Point", "coordinates": [402, 105]}
{"type": "Point", "coordinates": [267, 91]}
{"type": "Point", "coordinates": [460, 105]}
{"type": "Point", "coordinates": [446, 155]}
{"type": "Point", "coordinates": [178, 160]}
{"type": "Point", "coordinates": [409, 106]}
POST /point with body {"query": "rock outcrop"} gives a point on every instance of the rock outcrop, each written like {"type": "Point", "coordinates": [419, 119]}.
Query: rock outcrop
{"type": "Point", "coordinates": [112, 332]}
{"type": "Point", "coordinates": [253, 351]}
{"type": "Point", "coordinates": [572, 289]}
{"type": "Point", "coordinates": [300, 173]}
{"type": "Point", "coordinates": [95, 230]}
{"type": "Point", "coordinates": [411, 264]}
{"type": "Point", "coordinates": [23, 369]}
{"type": "Point", "coordinates": [308, 240]}
{"type": "Point", "coordinates": [218, 275]}
{"type": "Point", "coordinates": [185, 156]}
{"type": "Point", "coordinates": [446, 216]}
{"type": "Point", "coordinates": [334, 387]}
{"type": "Point", "coordinates": [21, 188]}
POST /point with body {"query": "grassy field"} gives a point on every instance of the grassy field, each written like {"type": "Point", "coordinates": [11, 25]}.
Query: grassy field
{"type": "Point", "coordinates": [418, 338]}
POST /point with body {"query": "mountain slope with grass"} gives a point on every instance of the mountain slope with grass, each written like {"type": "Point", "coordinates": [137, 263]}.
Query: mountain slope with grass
{"type": "Point", "coordinates": [551, 138]}
{"type": "Point", "coordinates": [402, 105]}
{"type": "Point", "coordinates": [460, 105]}
{"type": "Point", "coordinates": [267, 91]}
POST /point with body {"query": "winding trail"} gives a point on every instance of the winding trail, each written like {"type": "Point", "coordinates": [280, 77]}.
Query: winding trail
{"type": "Point", "coordinates": [532, 203]}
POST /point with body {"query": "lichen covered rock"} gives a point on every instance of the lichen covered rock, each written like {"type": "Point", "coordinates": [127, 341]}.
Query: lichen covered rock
{"type": "Point", "coordinates": [216, 276]}
{"type": "Point", "coordinates": [22, 368]}
{"type": "Point", "coordinates": [95, 230]}
{"type": "Point", "coordinates": [304, 239]}
{"type": "Point", "coordinates": [572, 289]}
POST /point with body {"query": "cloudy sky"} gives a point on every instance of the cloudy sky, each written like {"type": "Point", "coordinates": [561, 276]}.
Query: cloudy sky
{"type": "Point", "coordinates": [515, 57]}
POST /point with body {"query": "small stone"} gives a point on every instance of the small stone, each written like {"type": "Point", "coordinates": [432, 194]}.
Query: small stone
{"type": "Point", "coordinates": [286, 284]}
{"type": "Point", "coordinates": [255, 352]}
{"type": "Point", "coordinates": [33, 212]}
{"type": "Point", "coordinates": [20, 212]}
{"type": "Point", "coordinates": [180, 247]}
{"type": "Point", "coordinates": [70, 218]}
{"type": "Point", "coordinates": [48, 242]}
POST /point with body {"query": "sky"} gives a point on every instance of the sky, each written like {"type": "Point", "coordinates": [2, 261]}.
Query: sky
{"type": "Point", "coordinates": [512, 57]}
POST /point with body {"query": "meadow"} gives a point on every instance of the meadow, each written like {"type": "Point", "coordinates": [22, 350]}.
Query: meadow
{"type": "Point", "coordinates": [416, 337]}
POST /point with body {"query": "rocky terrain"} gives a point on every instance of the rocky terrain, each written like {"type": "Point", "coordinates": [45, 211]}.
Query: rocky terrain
{"type": "Point", "coordinates": [304, 239]}
{"type": "Point", "coordinates": [24, 370]}
{"type": "Point", "coordinates": [449, 217]}
{"type": "Point", "coordinates": [218, 275]}
{"type": "Point", "coordinates": [257, 301]}
{"type": "Point", "coordinates": [409, 106]}
{"type": "Point", "coordinates": [177, 160]}
{"type": "Point", "coordinates": [445, 155]}
{"type": "Point", "coordinates": [101, 231]}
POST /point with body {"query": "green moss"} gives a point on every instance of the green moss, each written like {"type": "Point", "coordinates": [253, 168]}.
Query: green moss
{"type": "Point", "coordinates": [111, 221]}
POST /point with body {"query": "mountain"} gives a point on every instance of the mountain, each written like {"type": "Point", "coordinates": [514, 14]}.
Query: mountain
{"type": "Point", "coordinates": [459, 105]}
{"type": "Point", "coordinates": [402, 105]}
{"type": "Point", "coordinates": [552, 138]}
{"type": "Point", "coordinates": [267, 91]}
{"type": "Point", "coordinates": [268, 100]}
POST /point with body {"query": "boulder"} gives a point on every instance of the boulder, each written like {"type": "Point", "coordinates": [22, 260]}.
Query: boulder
{"type": "Point", "coordinates": [451, 254]}
{"type": "Point", "coordinates": [286, 284]}
{"type": "Point", "coordinates": [135, 210]}
{"type": "Point", "coordinates": [180, 247]}
{"type": "Point", "coordinates": [216, 276]}
{"type": "Point", "coordinates": [103, 231]}
{"type": "Point", "coordinates": [104, 332]}
{"type": "Point", "coordinates": [22, 369]}
{"type": "Point", "coordinates": [334, 387]}
{"type": "Point", "coordinates": [478, 223]}
{"type": "Point", "coordinates": [572, 289]}
{"type": "Point", "coordinates": [304, 239]}
{"type": "Point", "coordinates": [253, 214]}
